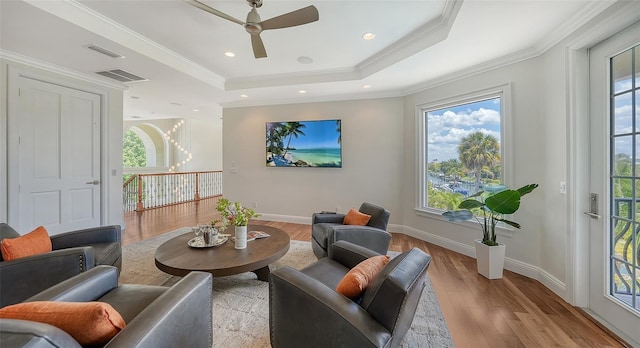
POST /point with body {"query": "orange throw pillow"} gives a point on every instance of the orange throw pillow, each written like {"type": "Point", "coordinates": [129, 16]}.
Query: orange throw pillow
{"type": "Point", "coordinates": [355, 217]}
{"type": "Point", "coordinates": [358, 278]}
{"type": "Point", "coordinates": [32, 243]}
{"type": "Point", "coordinates": [89, 323]}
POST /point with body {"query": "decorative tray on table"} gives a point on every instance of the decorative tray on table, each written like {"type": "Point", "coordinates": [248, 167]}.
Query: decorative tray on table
{"type": "Point", "coordinates": [198, 242]}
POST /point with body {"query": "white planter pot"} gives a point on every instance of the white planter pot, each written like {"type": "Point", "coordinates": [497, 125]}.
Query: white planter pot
{"type": "Point", "coordinates": [241, 237]}
{"type": "Point", "coordinates": [490, 259]}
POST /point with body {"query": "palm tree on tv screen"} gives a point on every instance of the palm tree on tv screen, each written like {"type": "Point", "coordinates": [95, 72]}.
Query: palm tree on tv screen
{"type": "Point", "coordinates": [274, 138]}
{"type": "Point", "coordinates": [292, 129]}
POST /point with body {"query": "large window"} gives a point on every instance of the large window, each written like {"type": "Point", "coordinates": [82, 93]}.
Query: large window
{"type": "Point", "coordinates": [462, 148]}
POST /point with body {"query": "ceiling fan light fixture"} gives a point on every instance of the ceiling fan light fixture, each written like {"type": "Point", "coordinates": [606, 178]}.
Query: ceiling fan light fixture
{"type": "Point", "coordinates": [254, 25]}
{"type": "Point", "coordinates": [368, 36]}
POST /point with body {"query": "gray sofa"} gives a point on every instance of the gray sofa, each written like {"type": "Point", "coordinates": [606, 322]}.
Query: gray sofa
{"type": "Point", "coordinates": [155, 316]}
{"type": "Point", "coordinates": [327, 228]}
{"type": "Point", "coordinates": [306, 311]}
{"type": "Point", "coordinates": [73, 253]}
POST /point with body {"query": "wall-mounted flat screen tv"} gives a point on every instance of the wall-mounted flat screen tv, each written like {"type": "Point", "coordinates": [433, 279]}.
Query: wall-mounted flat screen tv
{"type": "Point", "coordinates": [304, 144]}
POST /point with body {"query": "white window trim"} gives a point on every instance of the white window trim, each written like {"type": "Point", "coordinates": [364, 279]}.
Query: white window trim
{"type": "Point", "coordinates": [506, 143]}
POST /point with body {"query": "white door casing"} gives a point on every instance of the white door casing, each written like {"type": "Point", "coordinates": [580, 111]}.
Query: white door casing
{"type": "Point", "coordinates": [55, 143]}
{"type": "Point", "coordinates": [600, 302]}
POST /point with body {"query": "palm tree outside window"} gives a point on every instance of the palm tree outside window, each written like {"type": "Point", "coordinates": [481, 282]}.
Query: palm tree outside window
{"type": "Point", "coordinates": [462, 151]}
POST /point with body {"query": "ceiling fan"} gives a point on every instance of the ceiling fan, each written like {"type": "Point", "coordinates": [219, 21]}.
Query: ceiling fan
{"type": "Point", "coordinates": [254, 25]}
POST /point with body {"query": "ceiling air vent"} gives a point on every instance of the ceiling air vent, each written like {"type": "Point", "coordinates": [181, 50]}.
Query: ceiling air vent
{"type": "Point", "coordinates": [121, 75]}
{"type": "Point", "coordinates": [104, 51]}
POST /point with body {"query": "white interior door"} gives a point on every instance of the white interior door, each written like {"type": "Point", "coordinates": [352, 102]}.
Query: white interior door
{"type": "Point", "coordinates": [58, 155]}
{"type": "Point", "coordinates": [614, 284]}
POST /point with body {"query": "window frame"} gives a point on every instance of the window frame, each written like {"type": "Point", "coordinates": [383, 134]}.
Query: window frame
{"type": "Point", "coordinates": [506, 144]}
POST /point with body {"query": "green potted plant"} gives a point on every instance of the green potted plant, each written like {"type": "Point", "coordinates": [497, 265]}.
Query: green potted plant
{"type": "Point", "coordinates": [493, 207]}
{"type": "Point", "coordinates": [238, 216]}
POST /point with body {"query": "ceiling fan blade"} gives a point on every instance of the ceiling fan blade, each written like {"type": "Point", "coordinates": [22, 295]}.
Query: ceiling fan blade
{"type": "Point", "coordinates": [213, 11]}
{"type": "Point", "coordinates": [258, 46]}
{"type": "Point", "coordinates": [299, 17]}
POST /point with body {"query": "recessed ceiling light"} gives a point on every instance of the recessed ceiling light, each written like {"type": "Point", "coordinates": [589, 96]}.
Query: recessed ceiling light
{"type": "Point", "coordinates": [305, 60]}
{"type": "Point", "coordinates": [134, 97]}
{"type": "Point", "coordinates": [135, 116]}
{"type": "Point", "coordinates": [229, 54]}
{"type": "Point", "coordinates": [302, 91]}
{"type": "Point", "coordinates": [196, 110]}
{"type": "Point", "coordinates": [176, 104]}
{"type": "Point", "coordinates": [366, 86]}
{"type": "Point", "coordinates": [368, 36]}
{"type": "Point", "coordinates": [244, 96]}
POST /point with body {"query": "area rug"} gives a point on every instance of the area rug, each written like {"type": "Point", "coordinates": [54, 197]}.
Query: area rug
{"type": "Point", "coordinates": [241, 302]}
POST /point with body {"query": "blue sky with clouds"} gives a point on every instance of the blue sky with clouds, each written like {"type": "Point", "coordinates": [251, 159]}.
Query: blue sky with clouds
{"type": "Point", "coordinates": [318, 134]}
{"type": "Point", "coordinates": [447, 126]}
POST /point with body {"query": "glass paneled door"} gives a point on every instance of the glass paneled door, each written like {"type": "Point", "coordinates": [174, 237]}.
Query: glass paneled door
{"type": "Point", "coordinates": [624, 229]}
{"type": "Point", "coordinates": [614, 287]}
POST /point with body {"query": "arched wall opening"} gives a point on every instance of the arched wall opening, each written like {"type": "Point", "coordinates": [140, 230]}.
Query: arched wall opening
{"type": "Point", "coordinates": [155, 146]}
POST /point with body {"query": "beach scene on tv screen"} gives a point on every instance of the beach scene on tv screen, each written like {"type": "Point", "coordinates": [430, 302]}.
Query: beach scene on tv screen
{"type": "Point", "coordinates": [304, 144]}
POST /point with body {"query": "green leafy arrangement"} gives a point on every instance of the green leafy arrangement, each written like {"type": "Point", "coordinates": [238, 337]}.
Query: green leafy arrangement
{"type": "Point", "coordinates": [494, 206]}
{"type": "Point", "coordinates": [233, 214]}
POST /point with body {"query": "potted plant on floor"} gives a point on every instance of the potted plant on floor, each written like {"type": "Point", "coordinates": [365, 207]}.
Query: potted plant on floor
{"type": "Point", "coordinates": [493, 208]}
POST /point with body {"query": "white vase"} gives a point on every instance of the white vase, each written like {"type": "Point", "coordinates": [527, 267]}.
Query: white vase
{"type": "Point", "coordinates": [490, 259]}
{"type": "Point", "coordinates": [241, 237]}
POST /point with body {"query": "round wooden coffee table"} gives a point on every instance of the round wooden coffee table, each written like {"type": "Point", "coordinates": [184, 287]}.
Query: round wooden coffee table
{"type": "Point", "coordinates": [177, 258]}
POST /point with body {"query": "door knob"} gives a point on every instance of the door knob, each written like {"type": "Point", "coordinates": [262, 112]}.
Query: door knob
{"type": "Point", "coordinates": [94, 182]}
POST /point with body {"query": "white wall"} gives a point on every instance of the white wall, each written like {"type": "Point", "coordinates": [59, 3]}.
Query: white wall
{"type": "Point", "coordinates": [372, 132]}
{"type": "Point", "coordinates": [204, 141]}
{"type": "Point", "coordinates": [554, 117]}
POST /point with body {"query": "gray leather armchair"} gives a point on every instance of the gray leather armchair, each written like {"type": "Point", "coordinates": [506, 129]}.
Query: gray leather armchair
{"type": "Point", "coordinates": [73, 253]}
{"type": "Point", "coordinates": [327, 228]}
{"type": "Point", "coordinates": [155, 316]}
{"type": "Point", "coordinates": [306, 311]}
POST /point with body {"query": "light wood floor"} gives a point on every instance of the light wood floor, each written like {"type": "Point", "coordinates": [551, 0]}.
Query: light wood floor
{"type": "Point", "coordinates": [514, 311]}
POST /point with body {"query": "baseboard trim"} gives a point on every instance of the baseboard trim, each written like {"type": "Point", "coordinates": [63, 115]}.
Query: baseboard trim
{"type": "Point", "coordinates": [534, 272]}
{"type": "Point", "coordinates": [285, 218]}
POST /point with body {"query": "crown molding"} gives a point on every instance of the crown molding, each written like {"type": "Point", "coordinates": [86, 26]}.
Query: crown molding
{"type": "Point", "coordinates": [276, 80]}
{"type": "Point", "coordinates": [587, 13]}
{"type": "Point", "coordinates": [473, 70]}
{"type": "Point", "coordinates": [312, 99]}
{"type": "Point", "coordinates": [93, 21]}
{"type": "Point", "coordinates": [418, 40]}
{"type": "Point", "coordinates": [39, 64]}
{"type": "Point", "coordinates": [579, 20]}
{"type": "Point", "coordinates": [612, 20]}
